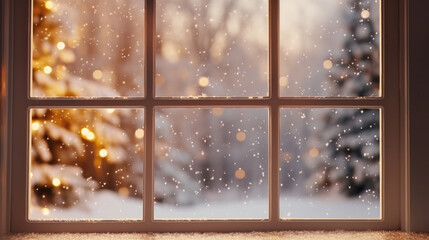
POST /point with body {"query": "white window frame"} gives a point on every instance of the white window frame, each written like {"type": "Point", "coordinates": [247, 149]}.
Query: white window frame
{"type": "Point", "coordinates": [392, 102]}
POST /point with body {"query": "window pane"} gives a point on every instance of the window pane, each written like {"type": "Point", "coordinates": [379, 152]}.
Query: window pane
{"type": "Point", "coordinates": [88, 48]}
{"type": "Point", "coordinates": [329, 48]}
{"type": "Point", "coordinates": [211, 163]}
{"type": "Point", "coordinates": [330, 163]}
{"type": "Point", "coordinates": [86, 164]}
{"type": "Point", "coordinates": [212, 48]}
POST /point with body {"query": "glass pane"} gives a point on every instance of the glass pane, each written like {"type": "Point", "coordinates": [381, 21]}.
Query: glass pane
{"type": "Point", "coordinates": [211, 163]}
{"type": "Point", "coordinates": [330, 163]}
{"type": "Point", "coordinates": [329, 48]}
{"type": "Point", "coordinates": [87, 48]}
{"type": "Point", "coordinates": [86, 164]}
{"type": "Point", "coordinates": [212, 48]}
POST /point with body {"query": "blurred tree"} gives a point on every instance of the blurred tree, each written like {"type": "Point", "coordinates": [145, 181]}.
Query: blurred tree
{"type": "Point", "coordinates": [76, 151]}
{"type": "Point", "coordinates": [344, 154]}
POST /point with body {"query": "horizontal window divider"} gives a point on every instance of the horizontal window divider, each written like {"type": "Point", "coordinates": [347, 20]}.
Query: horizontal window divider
{"type": "Point", "coordinates": [264, 102]}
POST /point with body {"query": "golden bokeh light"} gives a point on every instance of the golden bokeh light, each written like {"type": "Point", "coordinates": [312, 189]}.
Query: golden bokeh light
{"type": "Point", "coordinates": [240, 136]}
{"type": "Point", "coordinates": [365, 14]}
{"type": "Point", "coordinates": [327, 64]}
{"type": "Point", "coordinates": [87, 134]}
{"type": "Point", "coordinates": [283, 81]}
{"type": "Point", "coordinates": [314, 152]}
{"type": "Point", "coordinates": [56, 182]}
{"type": "Point", "coordinates": [47, 69]}
{"type": "Point", "coordinates": [139, 133]}
{"type": "Point", "coordinates": [61, 45]}
{"type": "Point", "coordinates": [203, 81]}
{"type": "Point", "coordinates": [103, 152]}
{"type": "Point", "coordinates": [97, 74]}
{"type": "Point", "coordinates": [217, 111]}
{"type": "Point", "coordinates": [123, 192]}
{"type": "Point", "coordinates": [45, 211]}
{"type": "Point", "coordinates": [35, 125]}
{"type": "Point", "coordinates": [240, 173]}
{"type": "Point", "coordinates": [49, 5]}
{"type": "Point", "coordinates": [110, 110]}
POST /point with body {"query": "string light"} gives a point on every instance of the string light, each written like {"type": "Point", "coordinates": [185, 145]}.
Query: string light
{"type": "Point", "coordinates": [47, 69]}
{"type": "Point", "coordinates": [139, 133]}
{"type": "Point", "coordinates": [103, 152]}
{"type": "Point", "coordinates": [61, 45]}
{"type": "Point", "coordinates": [45, 211]}
{"type": "Point", "coordinates": [56, 182]}
{"type": "Point", "coordinates": [49, 5]}
{"type": "Point", "coordinates": [240, 173]}
{"type": "Point", "coordinates": [283, 81]}
{"type": "Point", "coordinates": [240, 136]}
{"type": "Point", "coordinates": [97, 74]}
{"type": "Point", "coordinates": [327, 64]}
{"type": "Point", "coordinates": [365, 14]}
{"type": "Point", "coordinates": [35, 125]}
{"type": "Point", "coordinates": [203, 81]}
{"type": "Point", "coordinates": [314, 152]}
{"type": "Point", "coordinates": [87, 134]}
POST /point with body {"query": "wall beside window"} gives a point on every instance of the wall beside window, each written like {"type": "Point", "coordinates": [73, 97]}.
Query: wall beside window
{"type": "Point", "coordinates": [418, 39]}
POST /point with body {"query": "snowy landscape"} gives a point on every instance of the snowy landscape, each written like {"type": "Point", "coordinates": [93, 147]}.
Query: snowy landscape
{"type": "Point", "coordinates": [209, 162]}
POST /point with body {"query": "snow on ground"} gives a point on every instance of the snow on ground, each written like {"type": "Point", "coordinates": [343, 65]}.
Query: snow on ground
{"type": "Point", "coordinates": [106, 205]}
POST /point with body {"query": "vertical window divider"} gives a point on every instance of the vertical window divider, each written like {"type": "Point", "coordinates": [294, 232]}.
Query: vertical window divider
{"type": "Point", "coordinates": [273, 23]}
{"type": "Point", "coordinates": [148, 103]}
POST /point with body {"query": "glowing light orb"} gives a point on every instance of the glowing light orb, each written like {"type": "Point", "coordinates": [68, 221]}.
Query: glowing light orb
{"type": "Point", "coordinates": [139, 133]}
{"type": "Point", "coordinates": [56, 182]}
{"type": "Point", "coordinates": [240, 136]}
{"type": "Point", "coordinates": [103, 152]}
{"type": "Point", "coordinates": [45, 211]}
{"type": "Point", "coordinates": [203, 81]}
{"type": "Point", "coordinates": [240, 173]}
{"type": "Point", "coordinates": [47, 69]}
{"type": "Point", "coordinates": [61, 45]}
{"type": "Point", "coordinates": [35, 125]}
{"type": "Point", "coordinates": [97, 74]}
{"type": "Point", "coordinates": [327, 64]}
{"type": "Point", "coordinates": [365, 14]}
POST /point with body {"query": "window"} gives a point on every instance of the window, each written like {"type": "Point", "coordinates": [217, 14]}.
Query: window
{"type": "Point", "coordinates": [221, 112]}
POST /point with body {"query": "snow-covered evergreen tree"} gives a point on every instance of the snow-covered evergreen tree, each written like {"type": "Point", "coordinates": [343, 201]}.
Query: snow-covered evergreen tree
{"type": "Point", "coordinates": [344, 153]}
{"type": "Point", "coordinates": [76, 151]}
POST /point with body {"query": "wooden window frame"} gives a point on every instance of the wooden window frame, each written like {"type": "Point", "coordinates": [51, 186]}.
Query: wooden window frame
{"type": "Point", "coordinates": [18, 102]}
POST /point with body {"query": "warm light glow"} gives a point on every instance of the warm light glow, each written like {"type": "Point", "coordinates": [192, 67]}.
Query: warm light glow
{"type": "Point", "coordinates": [35, 125]}
{"type": "Point", "coordinates": [283, 81]}
{"type": "Point", "coordinates": [47, 69]}
{"type": "Point", "coordinates": [61, 45]}
{"type": "Point", "coordinates": [56, 182]}
{"type": "Point", "coordinates": [240, 136]}
{"type": "Point", "coordinates": [139, 133]}
{"type": "Point", "coordinates": [110, 110]}
{"type": "Point", "coordinates": [123, 192]}
{"type": "Point", "coordinates": [314, 152]}
{"type": "Point", "coordinates": [217, 111]}
{"type": "Point", "coordinates": [203, 81]}
{"type": "Point", "coordinates": [103, 152]}
{"type": "Point", "coordinates": [240, 173]}
{"type": "Point", "coordinates": [287, 157]}
{"type": "Point", "coordinates": [49, 4]}
{"type": "Point", "coordinates": [87, 134]}
{"type": "Point", "coordinates": [327, 64]}
{"type": "Point", "coordinates": [45, 211]}
{"type": "Point", "coordinates": [97, 74]}
{"type": "Point", "coordinates": [365, 14]}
